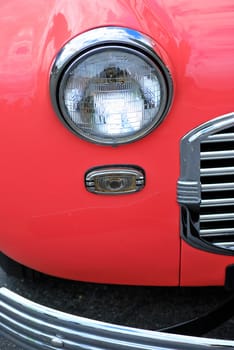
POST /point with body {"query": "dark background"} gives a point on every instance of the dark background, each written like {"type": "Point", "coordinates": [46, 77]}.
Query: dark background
{"type": "Point", "coordinates": [144, 307]}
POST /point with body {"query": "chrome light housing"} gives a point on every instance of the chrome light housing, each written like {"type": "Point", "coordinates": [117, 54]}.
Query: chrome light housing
{"type": "Point", "coordinates": [109, 87]}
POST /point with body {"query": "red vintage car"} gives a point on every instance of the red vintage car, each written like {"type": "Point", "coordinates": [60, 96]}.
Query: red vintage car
{"type": "Point", "coordinates": [117, 140]}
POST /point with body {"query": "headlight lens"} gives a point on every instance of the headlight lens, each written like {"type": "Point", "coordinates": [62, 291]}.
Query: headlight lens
{"type": "Point", "coordinates": [112, 94]}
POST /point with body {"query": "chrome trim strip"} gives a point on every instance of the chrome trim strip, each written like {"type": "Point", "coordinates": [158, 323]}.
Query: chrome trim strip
{"type": "Point", "coordinates": [39, 327]}
{"type": "Point", "coordinates": [188, 192]}
{"type": "Point", "coordinates": [224, 186]}
{"type": "Point", "coordinates": [211, 127]}
{"type": "Point", "coordinates": [216, 232]}
{"type": "Point", "coordinates": [225, 245]}
{"type": "Point", "coordinates": [216, 217]}
{"type": "Point", "coordinates": [217, 155]}
{"type": "Point", "coordinates": [219, 138]}
{"type": "Point", "coordinates": [217, 171]}
{"type": "Point", "coordinates": [217, 202]}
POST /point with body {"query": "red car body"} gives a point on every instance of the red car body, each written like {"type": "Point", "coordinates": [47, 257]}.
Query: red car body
{"type": "Point", "coordinates": [49, 221]}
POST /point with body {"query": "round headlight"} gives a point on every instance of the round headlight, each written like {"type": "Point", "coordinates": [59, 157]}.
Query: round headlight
{"type": "Point", "coordinates": [110, 91]}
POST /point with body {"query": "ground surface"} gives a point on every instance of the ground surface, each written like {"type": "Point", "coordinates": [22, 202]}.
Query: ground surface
{"type": "Point", "coordinates": [144, 307]}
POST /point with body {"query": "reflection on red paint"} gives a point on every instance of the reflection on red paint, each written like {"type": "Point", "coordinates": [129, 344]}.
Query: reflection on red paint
{"type": "Point", "coordinates": [48, 220]}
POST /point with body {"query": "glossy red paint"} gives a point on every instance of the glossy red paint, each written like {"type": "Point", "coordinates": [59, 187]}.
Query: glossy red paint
{"type": "Point", "coordinates": [48, 220]}
{"type": "Point", "coordinates": [202, 269]}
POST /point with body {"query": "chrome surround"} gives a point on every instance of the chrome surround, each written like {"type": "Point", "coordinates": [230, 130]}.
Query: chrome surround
{"type": "Point", "coordinates": [136, 173]}
{"type": "Point", "coordinates": [34, 326]}
{"type": "Point", "coordinates": [98, 39]}
{"type": "Point", "coordinates": [190, 146]}
{"type": "Point", "coordinates": [190, 188]}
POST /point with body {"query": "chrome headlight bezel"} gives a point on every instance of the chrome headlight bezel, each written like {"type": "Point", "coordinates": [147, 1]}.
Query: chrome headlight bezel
{"type": "Point", "coordinates": [91, 43]}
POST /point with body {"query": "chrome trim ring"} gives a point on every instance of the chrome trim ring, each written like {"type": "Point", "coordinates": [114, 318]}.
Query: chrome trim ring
{"type": "Point", "coordinates": [97, 40]}
{"type": "Point", "coordinates": [34, 326]}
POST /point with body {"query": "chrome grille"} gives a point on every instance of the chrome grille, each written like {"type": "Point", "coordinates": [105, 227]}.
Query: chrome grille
{"type": "Point", "coordinates": [217, 189]}
{"type": "Point", "coordinates": [206, 185]}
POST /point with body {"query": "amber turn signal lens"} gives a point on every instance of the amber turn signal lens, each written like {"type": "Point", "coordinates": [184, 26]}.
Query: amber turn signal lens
{"type": "Point", "coordinates": [115, 180]}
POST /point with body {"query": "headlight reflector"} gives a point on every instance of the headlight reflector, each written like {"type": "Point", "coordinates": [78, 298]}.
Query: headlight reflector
{"type": "Point", "coordinates": [112, 94]}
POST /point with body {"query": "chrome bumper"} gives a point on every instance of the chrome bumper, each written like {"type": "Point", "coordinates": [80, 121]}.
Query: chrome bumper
{"type": "Point", "coordinates": [33, 326]}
